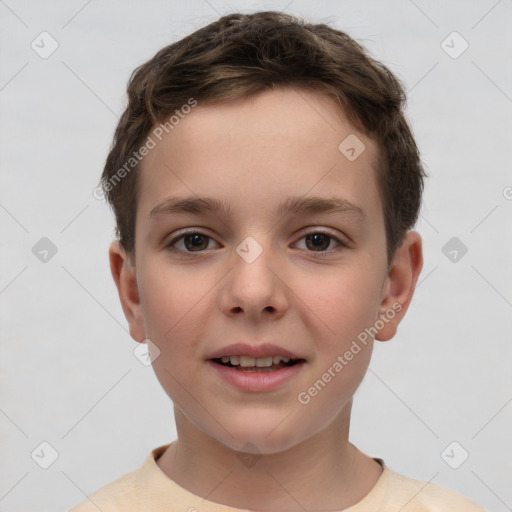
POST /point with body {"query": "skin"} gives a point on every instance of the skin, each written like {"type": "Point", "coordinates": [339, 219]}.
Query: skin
{"type": "Point", "coordinates": [252, 153]}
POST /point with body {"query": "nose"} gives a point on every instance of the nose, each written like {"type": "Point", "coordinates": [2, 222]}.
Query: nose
{"type": "Point", "coordinates": [255, 289]}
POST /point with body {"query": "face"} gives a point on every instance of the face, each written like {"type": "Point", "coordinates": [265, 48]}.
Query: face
{"type": "Point", "coordinates": [301, 283]}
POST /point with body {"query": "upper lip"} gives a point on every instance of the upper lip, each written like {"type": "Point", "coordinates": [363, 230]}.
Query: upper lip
{"type": "Point", "coordinates": [260, 350]}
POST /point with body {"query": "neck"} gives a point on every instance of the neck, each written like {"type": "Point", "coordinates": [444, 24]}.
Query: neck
{"type": "Point", "coordinates": [325, 472]}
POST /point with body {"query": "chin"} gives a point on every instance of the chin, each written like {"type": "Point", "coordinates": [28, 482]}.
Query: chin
{"type": "Point", "coordinates": [262, 435]}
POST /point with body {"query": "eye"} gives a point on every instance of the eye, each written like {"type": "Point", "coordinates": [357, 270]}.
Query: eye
{"type": "Point", "coordinates": [319, 242]}
{"type": "Point", "coordinates": [191, 241]}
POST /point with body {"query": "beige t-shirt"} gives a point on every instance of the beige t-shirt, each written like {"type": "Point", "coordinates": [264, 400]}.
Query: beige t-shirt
{"type": "Point", "coordinates": [149, 489]}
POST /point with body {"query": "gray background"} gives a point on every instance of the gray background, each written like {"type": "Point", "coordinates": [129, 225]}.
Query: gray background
{"type": "Point", "coordinates": [68, 373]}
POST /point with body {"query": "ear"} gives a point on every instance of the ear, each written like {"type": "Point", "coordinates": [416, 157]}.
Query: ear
{"type": "Point", "coordinates": [399, 286]}
{"type": "Point", "coordinates": [123, 272]}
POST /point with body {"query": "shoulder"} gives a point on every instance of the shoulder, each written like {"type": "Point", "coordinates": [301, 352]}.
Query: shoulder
{"type": "Point", "coordinates": [121, 494]}
{"type": "Point", "coordinates": [412, 495]}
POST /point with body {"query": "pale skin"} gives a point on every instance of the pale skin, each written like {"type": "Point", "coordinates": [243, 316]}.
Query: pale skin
{"type": "Point", "coordinates": [189, 302]}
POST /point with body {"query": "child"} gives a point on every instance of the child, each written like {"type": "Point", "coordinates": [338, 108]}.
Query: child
{"type": "Point", "coordinates": [265, 183]}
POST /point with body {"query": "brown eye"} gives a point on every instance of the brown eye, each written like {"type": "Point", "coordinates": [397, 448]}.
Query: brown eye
{"type": "Point", "coordinates": [195, 242]}
{"type": "Point", "coordinates": [318, 241]}
{"type": "Point", "coordinates": [190, 242]}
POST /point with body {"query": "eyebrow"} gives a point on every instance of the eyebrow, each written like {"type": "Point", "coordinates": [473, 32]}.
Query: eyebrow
{"type": "Point", "coordinates": [298, 205]}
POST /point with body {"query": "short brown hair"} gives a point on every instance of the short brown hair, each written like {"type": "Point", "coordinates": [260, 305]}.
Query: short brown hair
{"type": "Point", "coordinates": [240, 55]}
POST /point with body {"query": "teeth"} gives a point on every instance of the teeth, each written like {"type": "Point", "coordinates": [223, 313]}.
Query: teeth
{"type": "Point", "coordinates": [264, 361]}
{"type": "Point", "coordinates": [261, 362]}
{"type": "Point", "coordinates": [277, 359]}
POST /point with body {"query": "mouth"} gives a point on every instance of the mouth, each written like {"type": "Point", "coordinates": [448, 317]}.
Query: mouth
{"type": "Point", "coordinates": [256, 367]}
{"type": "Point", "coordinates": [257, 364]}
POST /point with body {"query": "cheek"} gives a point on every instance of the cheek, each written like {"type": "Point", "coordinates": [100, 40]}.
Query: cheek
{"type": "Point", "coordinates": [172, 302]}
{"type": "Point", "coordinates": [341, 302]}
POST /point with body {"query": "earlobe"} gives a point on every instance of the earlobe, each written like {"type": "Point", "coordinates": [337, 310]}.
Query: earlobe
{"type": "Point", "coordinates": [124, 275]}
{"type": "Point", "coordinates": [398, 289]}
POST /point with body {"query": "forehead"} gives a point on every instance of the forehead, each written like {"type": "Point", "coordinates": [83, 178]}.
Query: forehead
{"type": "Point", "coordinates": [254, 152]}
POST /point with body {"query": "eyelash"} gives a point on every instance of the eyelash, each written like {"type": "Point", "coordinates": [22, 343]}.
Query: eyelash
{"type": "Point", "coordinates": [314, 254]}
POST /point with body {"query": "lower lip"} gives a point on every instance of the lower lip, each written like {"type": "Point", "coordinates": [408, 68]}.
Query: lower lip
{"type": "Point", "coordinates": [256, 381]}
